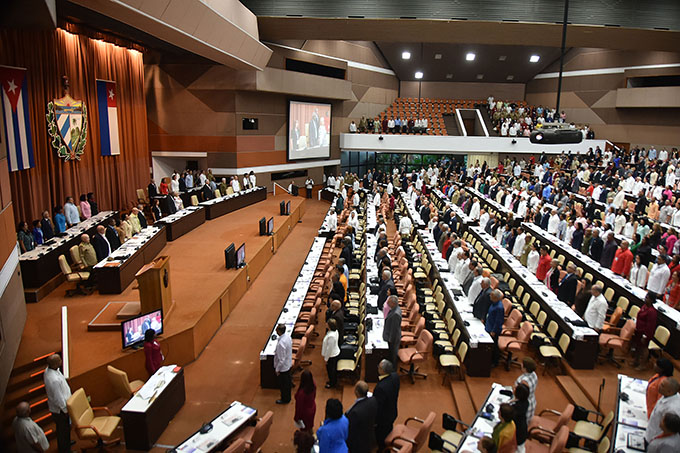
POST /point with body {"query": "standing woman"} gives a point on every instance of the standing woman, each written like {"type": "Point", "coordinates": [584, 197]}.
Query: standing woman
{"type": "Point", "coordinates": [333, 433]}
{"type": "Point", "coordinates": [331, 352]}
{"type": "Point", "coordinates": [85, 209]}
{"type": "Point", "coordinates": [152, 352]}
{"type": "Point", "coordinates": [305, 402]}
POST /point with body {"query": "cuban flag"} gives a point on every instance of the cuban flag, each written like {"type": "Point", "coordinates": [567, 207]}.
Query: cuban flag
{"type": "Point", "coordinates": [108, 117]}
{"type": "Point", "coordinates": [15, 118]}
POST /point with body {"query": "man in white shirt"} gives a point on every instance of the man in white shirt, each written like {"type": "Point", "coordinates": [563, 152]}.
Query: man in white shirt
{"type": "Point", "coordinates": [553, 223]}
{"type": "Point", "coordinates": [29, 437]}
{"type": "Point", "coordinates": [463, 267]}
{"type": "Point", "coordinates": [669, 402]}
{"type": "Point", "coordinates": [474, 211]}
{"type": "Point", "coordinates": [483, 218]}
{"type": "Point", "coordinates": [453, 258]}
{"type": "Point", "coordinates": [253, 180]}
{"type": "Point", "coordinates": [390, 188]}
{"type": "Point", "coordinates": [283, 361]}
{"type": "Point", "coordinates": [71, 213]}
{"type": "Point", "coordinates": [332, 220]}
{"type": "Point", "coordinates": [235, 185]}
{"type": "Point", "coordinates": [663, 155]}
{"type": "Point", "coordinates": [520, 241]}
{"type": "Point", "coordinates": [597, 308]}
{"type": "Point", "coordinates": [476, 285]}
{"type": "Point", "coordinates": [405, 225]}
{"type": "Point", "coordinates": [331, 181]}
{"type": "Point", "coordinates": [658, 276]}
{"type": "Point", "coordinates": [58, 392]}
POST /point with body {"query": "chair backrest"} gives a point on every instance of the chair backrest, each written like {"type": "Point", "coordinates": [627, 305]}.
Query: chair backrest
{"type": "Point", "coordinates": [534, 308]}
{"type": "Point", "coordinates": [424, 343]}
{"type": "Point", "coordinates": [238, 446]}
{"type": "Point", "coordinates": [564, 342]}
{"type": "Point", "coordinates": [559, 441]}
{"type": "Point", "coordinates": [604, 445]}
{"type": "Point", "coordinates": [507, 306]}
{"type": "Point", "coordinates": [455, 337]}
{"type": "Point", "coordinates": [141, 195]}
{"type": "Point", "coordinates": [424, 431]}
{"type": "Point", "coordinates": [525, 331]}
{"type": "Point", "coordinates": [462, 351]}
{"type": "Point", "coordinates": [606, 423]}
{"type": "Point", "coordinates": [565, 416]}
{"type": "Point", "coordinates": [627, 330]}
{"type": "Point", "coordinates": [661, 335]}
{"type": "Point", "coordinates": [616, 316]}
{"type": "Point", "coordinates": [75, 255]}
{"type": "Point", "coordinates": [419, 327]}
{"type": "Point", "coordinates": [218, 194]}
{"type": "Point", "coordinates": [79, 410]}
{"type": "Point", "coordinates": [623, 303]}
{"type": "Point", "coordinates": [120, 382]}
{"type": "Point", "coordinates": [609, 294]}
{"type": "Point", "coordinates": [514, 319]}
{"type": "Point", "coordinates": [261, 431]}
{"type": "Point", "coordinates": [552, 329]}
{"type": "Point", "coordinates": [542, 316]}
{"type": "Point", "coordinates": [194, 200]}
{"type": "Point", "coordinates": [633, 312]}
{"type": "Point", "coordinates": [63, 265]}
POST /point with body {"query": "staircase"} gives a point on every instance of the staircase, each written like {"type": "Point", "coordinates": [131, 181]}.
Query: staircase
{"type": "Point", "coordinates": [26, 384]}
{"type": "Point", "coordinates": [451, 124]}
{"type": "Point", "coordinates": [487, 120]}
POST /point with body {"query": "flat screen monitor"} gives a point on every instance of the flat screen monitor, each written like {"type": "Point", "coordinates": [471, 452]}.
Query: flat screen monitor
{"type": "Point", "coordinates": [288, 208]}
{"type": "Point", "coordinates": [263, 226]}
{"type": "Point", "coordinates": [133, 329]}
{"type": "Point", "coordinates": [270, 226]}
{"type": "Point", "coordinates": [282, 208]}
{"type": "Point", "coordinates": [230, 256]}
{"type": "Point", "coordinates": [241, 256]}
{"type": "Point", "coordinates": [309, 130]}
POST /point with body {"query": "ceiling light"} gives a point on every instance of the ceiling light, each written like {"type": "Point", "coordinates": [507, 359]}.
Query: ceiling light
{"type": "Point", "coordinates": [437, 56]}
{"type": "Point", "coordinates": [419, 75]}
{"type": "Point", "coordinates": [502, 58]}
{"type": "Point", "coordinates": [510, 77]}
{"type": "Point", "coordinates": [449, 76]}
{"type": "Point", "coordinates": [470, 56]}
{"type": "Point", "coordinates": [534, 58]}
{"type": "Point", "coordinates": [406, 55]}
{"type": "Point", "coordinates": [480, 76]}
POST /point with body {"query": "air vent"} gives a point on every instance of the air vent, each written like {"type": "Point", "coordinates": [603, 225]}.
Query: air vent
{"type": "Point", "coordinates": [314, 68]}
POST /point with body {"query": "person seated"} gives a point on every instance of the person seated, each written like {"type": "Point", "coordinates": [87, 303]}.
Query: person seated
{"type": "Point", "coordinates": [88, 256]}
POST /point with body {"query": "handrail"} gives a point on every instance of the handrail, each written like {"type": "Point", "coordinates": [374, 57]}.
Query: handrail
{"type": "Point", "coordinates": [282, 188]}
{"type": "Point", "coordinates": [65, 343]}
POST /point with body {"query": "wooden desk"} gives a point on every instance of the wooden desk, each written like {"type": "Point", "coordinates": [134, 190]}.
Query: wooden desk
{"type": "Point", "coordinates": [229, 204]}
{"type": "Point", "coordinates": [630, 416]}
{"type": "Point", "coordinates": [145, 419]}
{"type": "Point", "coordinates": [114, 279]}
{"type": "Point", "coordinates": [182, 222]}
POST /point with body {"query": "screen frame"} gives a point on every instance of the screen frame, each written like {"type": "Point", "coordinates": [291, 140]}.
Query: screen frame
{"type": "Point", "coordinates": [288, 207]}
{"type": "Point", "coordinates": [122, 331]}
{"type": "Point", "coordinates": [270, 222]}
{"type": "Point", "coordinates": [242, 246]}
{"type": "Point", "coordinates": [330, 127]}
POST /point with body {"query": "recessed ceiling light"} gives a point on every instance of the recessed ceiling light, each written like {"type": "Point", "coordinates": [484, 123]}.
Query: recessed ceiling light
{"type": "Point", "coordinates": [405, 55]}
{"type": "Point", "coordinates": [449, 76]}
{"type": "Point", "coordinates": [510, 77]}
{"type": "Point", "coordinates": [502, 58]}
{"type": "Point", "coordinates": [480, 76]}
{"type": "Point", "coordinates": [470, 56]}
{"type": "Point", "coordinates": [419, 75]}
{"type": "Point", "coordinates": [437, 56]}
{"type": "Point", "coordinates": [534, 58]}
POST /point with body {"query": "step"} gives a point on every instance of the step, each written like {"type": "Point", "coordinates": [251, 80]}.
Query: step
{"type": "Point", "coordinates": [462, 401]}
{"type": "Point", "coordinates": [30, 394]}
{"type": "Point", "coordinates": [35, 364]}
{"type": "Point", "coordinates": [573, 392]}
{"type": "Point", "coordinates": [38, 407]}
{"type": "Point", "coordinates": [25, 379]}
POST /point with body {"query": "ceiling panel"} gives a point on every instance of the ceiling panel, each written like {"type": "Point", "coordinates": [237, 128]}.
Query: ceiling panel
{"type": "Point", "coordinates": [487, 62]}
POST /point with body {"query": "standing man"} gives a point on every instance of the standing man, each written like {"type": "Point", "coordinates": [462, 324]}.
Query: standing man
{"type": "Point", "coordinates": [58, 392]}
{"type": "Point", "coordinates": [596, 309]}
{"type": "Point", "coordinates": [659, 276]}
{"type": "Point", "coordinates": [361, 416]}
{"type": "Point", "coordinates": [566, 290]}
{"type": "Point", "coordinates": [71, 212]}
{"type": "Point", "coordinates": [623, 260]}
{"type": "Point", "coordinates": [609, 251]}
{"type": "Point", "coordinates": [283, 361]}
{"type": "Point", "coordinates": [29, 437]}
{"type": "Point", "coordinates": [392, 329]}
{"type": "Point", "coordinates": [309, 185]}
{"type": "Point", "coordinates": [386, 288]}
{"type": "Point", "coordinates": [494, 322]}
{"type": "Point", "coordinates": [669, 403]}
{"type": "Point", "coordinates": [386, 392]}
{"type": "Point", "coordinates": [101, 244]}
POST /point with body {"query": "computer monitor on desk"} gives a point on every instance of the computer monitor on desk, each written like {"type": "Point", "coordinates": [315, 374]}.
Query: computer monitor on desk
{"type": "Point", "coordinates": [134, 329]}
{"type": "Point", "coordinates": [270, 226]}
{"type": "Point", "coordinates": [263, 226]}
{"type": "Point", "coordinates": [288, 207]}
{"type": "Point", "coordinates": [241, 256]}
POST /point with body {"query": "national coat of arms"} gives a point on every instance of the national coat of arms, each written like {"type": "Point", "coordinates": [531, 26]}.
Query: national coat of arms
{"type": "Point", "coordinates": [67, 125]}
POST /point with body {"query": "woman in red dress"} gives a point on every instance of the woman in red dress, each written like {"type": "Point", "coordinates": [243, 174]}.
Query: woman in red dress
{"type": "Point", "coordinates": [152, 352]}
{"type": "Point", "coordinates": [305, 401]}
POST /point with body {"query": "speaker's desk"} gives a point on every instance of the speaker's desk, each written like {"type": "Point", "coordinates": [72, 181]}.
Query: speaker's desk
{"type": "Point", "coordinates": [182, 222]}
{"type": "Point", "coordinates": [228, 203]}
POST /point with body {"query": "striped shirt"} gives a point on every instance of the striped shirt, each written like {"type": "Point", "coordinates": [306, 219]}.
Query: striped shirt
{"type": "Point", "coordinates": [531, 381]}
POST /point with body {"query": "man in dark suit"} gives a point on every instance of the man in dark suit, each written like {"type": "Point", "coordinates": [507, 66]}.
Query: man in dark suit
{"type": "Point", "coordinates": [346, 252]}
{"type": "Point", "coordinates": [361, 416]}
{"type": "Point", "coordinates": [339, 204]}
{"type": "Point", "coordinates": [596, 245]}
{"type": "Point", "coordinates": [480, 307]}
{"type": "Point", "coordinates": [545, 219]}
{"type": "Point", "coordinates": [425, 213]}
{"type": "Point", "coordinates": [335, 312]}
{"type": "Point", "coordinates": [386, 288]}
{"type": "Point", "coordinates": [608, 251]}
{"type": "Point", "coordinates": [386, 392]}
{"type": "Point", "coordinates": [566, 289]}
{"type": "Point", "coordinates": [392, 328]}
{"type": "Point", "coordinates": [590, 208]}
{"type": "Point", "coordinates": [101, 245]}
{"type": "Point", "coordinates": [152, 189]}
{"type": "Point", "coordinates": [470, 276]}
{"type": "Point", "coordinates": [337, 290]}
{"type": "Point", "coordinates": [448, 212]}
{"type": "Point", "coordinates": [206, 191]}
{"type": "Point", "coordinates": [112, 235]}
{"type": "Point", "coordinates": [142, 218]}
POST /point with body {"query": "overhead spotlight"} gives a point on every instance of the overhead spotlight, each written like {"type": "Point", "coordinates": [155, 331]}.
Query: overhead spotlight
{"type": "Point", "coordinates": [437, 56]}
{"type": "Point", "coordinates": [534, 58]}
{"type": "Point", "coordinates": [449, 76]}
{"type": "Point", "coordinates": [470, 56]}
{"type": "Point", "coordinates": [406, 55]}
{"type": "Point", "coordinates": [419, 75]}
{"type": "Point", "coordinates": [480, 76]}
{"type": "Point", "coordinates": [510, 77]}
{"type": "Point", "coordinates": [502, 58]}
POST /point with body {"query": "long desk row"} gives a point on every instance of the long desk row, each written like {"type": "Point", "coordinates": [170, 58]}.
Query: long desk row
{"type": "Point", "coordinates": [485, 421]}
{"type": "Point", "coordinates": [583, 348]}
{"type": "Point", "coordinates": [41, 264]}
{"type": "Point", "coordinates": [228, 203]}
{"type": "Point", "coordinates": [413, 213]}
{"type": "Point", "coordinates": [667, 316]}
{"type": "Point", "coordinates": [118, 270]}
{"type": "Point", "coordinates": [376, 348]}
{"type": "Point", "coordinates": [182, 221]}
{"type": "Point", "coordinates": [290, 312]}
{"type": "Point", "coordinates": [630, 416]}
{"type": "Point", "coordinates": [492, 205]}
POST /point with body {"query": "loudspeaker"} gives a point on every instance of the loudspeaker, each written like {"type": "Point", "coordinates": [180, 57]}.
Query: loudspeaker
{"type": "Point", "coordinates": [556, 136]}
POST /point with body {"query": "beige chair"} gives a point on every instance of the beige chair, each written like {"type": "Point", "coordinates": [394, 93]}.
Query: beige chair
{"type": "Point", "coordinates": [218, 194]}
{"type": "Point", "coordinates": [230, 190]}
{"type": "Point", "coordinates": [592, 430]}
{"type": "Point", "coordinates": [76, 258]}
{"type": "Point", "coordinates": [86, 425]}
{"type": "Point", "coordinates": [120, 383]}
{"type": "Point", "coordinates": [603, 447]}
{"type": "Point", "coordinates": [661, 336]}
{"type": "Point", "coordinates": [416, 437]}
{"type": "Point", "coordinates": [73, 277]}
{"type": "Point", "coordinates": [557, 444]}
{"type": "Point", "coordinates": [255, 436]}
{"type": "Point", "coordinates": [194, 200]}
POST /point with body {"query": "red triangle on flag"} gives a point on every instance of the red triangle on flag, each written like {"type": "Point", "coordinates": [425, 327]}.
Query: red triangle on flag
{"type": "Point", "coordinates": [12, 80]}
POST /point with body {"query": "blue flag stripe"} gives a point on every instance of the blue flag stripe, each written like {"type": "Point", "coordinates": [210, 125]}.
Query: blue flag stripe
{"type": "Point", "coordinates": [17, 141]}
{"type": "Point", "coordinates": [104, 133]}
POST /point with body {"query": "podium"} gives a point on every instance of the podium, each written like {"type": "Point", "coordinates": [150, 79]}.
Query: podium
{"type": "Point", "coordinates": [154, 286]}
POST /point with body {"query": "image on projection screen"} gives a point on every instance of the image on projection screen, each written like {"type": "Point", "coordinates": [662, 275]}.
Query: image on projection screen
{"type": "Point", "coordinates": [309, 132]}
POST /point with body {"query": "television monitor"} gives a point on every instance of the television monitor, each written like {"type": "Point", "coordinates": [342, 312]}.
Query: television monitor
{"type": "Point", "coordinates": [282, 208]}
{"type": "Point", "coordinates": [230, 256]}
{"type": "Point", "coordinates": [241, 256]}
{"type": "Point", "coordinates": [270, 226]}
{"type": "Point", "coordinates": [263, 226]}
{"type": "Point", "coordinates": [288, 208]}
{"type": "Point", "coordinates": [309, 130]}
{"type": "Point", "coordinates": [133, 330]}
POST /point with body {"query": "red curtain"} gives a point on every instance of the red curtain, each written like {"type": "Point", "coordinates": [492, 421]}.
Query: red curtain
{"type": "Point", "coordinates": [49, 55]}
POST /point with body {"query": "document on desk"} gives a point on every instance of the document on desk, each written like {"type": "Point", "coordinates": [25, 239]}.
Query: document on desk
{"type": "Point", "coordinates": [146, 395]}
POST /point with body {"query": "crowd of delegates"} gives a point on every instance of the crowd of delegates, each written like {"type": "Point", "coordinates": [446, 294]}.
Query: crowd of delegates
{"type": "Point", "coordinates": [390, 125]}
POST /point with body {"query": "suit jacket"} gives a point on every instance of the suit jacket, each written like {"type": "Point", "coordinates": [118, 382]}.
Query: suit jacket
{"type": "Point", "coordinates": [347, 255]}
{"type": "Point", "coordinates": [608, 253]}
{"type": "Point", "coordinates": [337, 292]}
{"type": "Point", "coordinates": [100, 247]}
{"type": "Point", "coordinates": [385, 287]}
{"type": "Point", "coordinates": [544, 221]}
{"type": "Point", "coordinates": [207, 193]}
{"type": "Point", "coordinates": [596, 245]}
{"type": "Point", "coordinates": [153, 191]}
{"type": "Point", "coordinates": [468, 281]}
{"type": "Point", "coordinates": [339, 317]}
{"type": "Point", "coordinates": [112, 236]}
{"type": "Point", "coordinates": [142, 220]}
{"type": "Point", "coordinates": [361, 434]}
{"type": "Point", "coordinates": [481, 305]}
{"type": "Point", "coordinates": [566, 290]}
{"type": "Point", "coordinates": [392, 327]}
{"type": "Point", "coordinates": [386, 392]}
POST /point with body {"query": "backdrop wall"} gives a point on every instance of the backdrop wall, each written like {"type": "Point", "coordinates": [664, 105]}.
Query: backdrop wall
{"type": "Point", "coordinates": [49, 55]}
